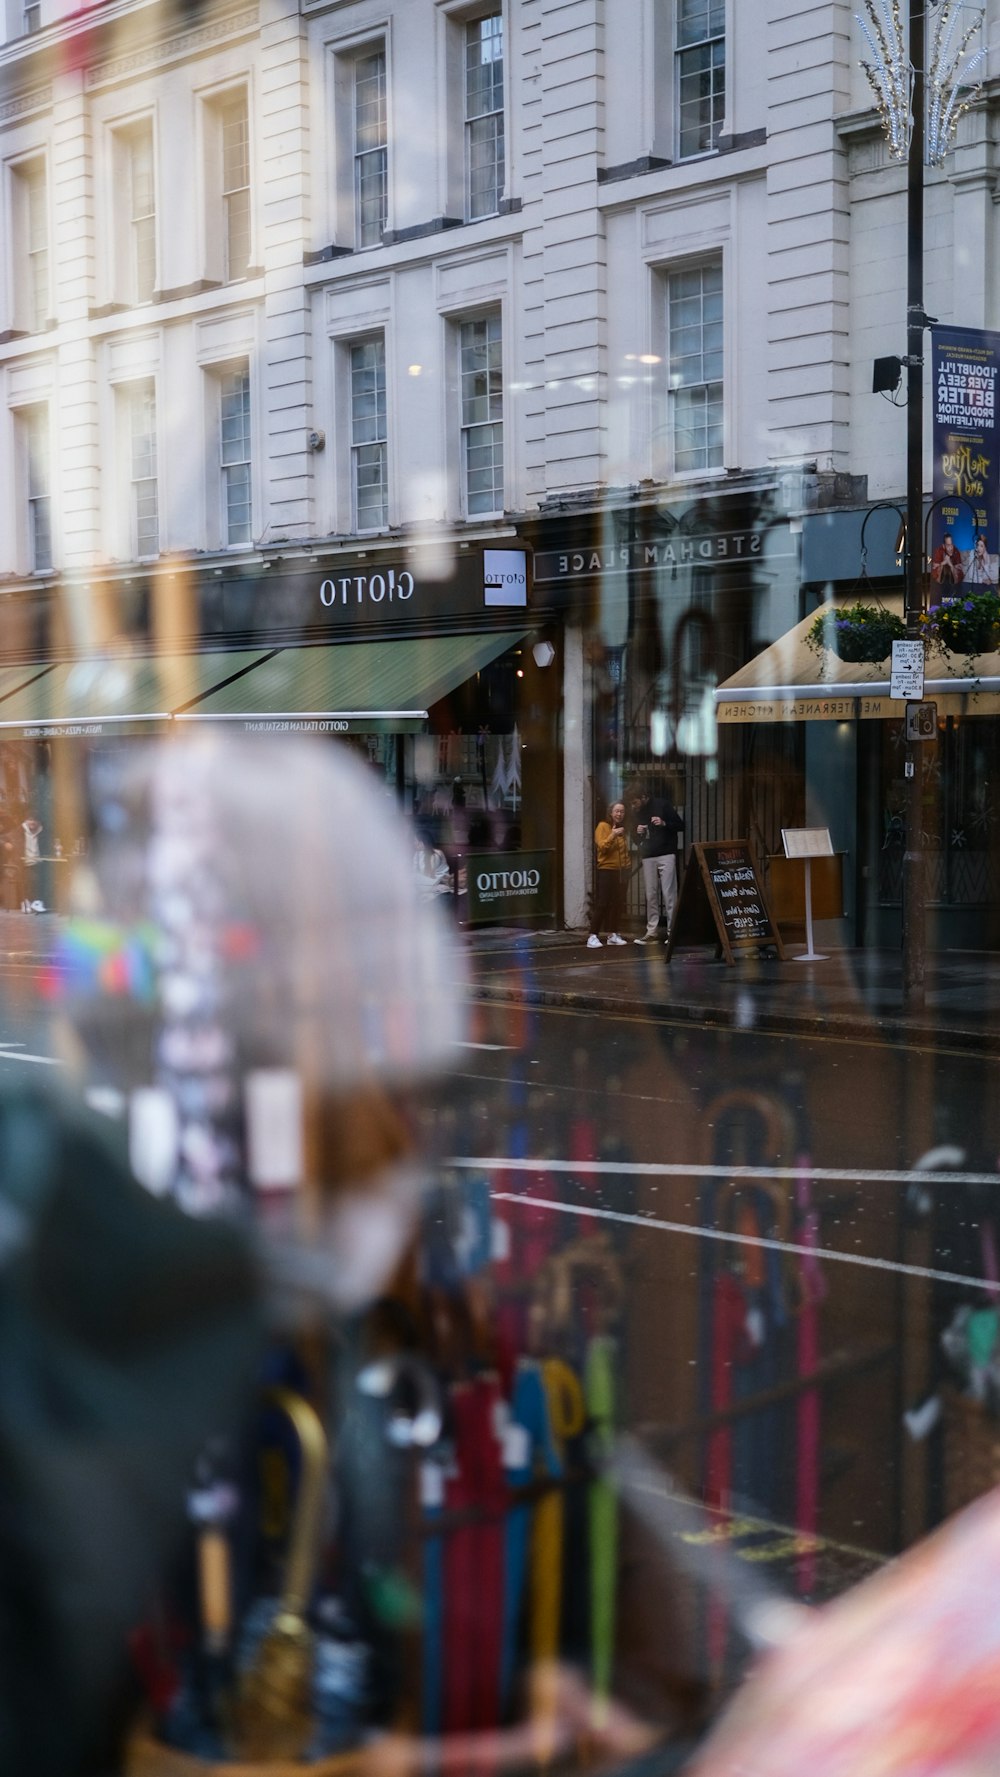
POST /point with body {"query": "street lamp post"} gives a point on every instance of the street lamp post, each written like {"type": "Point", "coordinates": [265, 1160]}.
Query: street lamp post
{"type": "Point", "coordinates": [919, 103]}
{"type": "Point", "coordinates": [914, 897]}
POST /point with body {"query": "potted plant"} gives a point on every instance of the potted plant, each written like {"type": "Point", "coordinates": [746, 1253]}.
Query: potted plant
{"type": "Point", "coordinates": [966, 622]}
{"type": "Point", "coordinates": [856, 632]}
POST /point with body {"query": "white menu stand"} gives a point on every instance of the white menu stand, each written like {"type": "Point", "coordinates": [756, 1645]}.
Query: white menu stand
{"type": "Point", "coordinates": [808, 843]}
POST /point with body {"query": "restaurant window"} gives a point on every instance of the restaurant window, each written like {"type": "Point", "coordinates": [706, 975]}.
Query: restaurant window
{"type": "Point", "coordinates": [482, 415]}
{"type": "Point", "coordinates": [369, 446]}
{"type": "Point", "coordinates": [700, 75]}
{"type": "Point", "coordinates": [484, 115]}
{"type": "Point", "coordinates": [695, 364]}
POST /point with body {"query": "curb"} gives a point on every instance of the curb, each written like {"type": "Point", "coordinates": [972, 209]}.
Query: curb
{"type": "Point", "coordinates": [844, 1025]}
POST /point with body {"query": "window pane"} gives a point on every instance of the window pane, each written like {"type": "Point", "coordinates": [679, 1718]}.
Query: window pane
{"type": "Point", "coordinates": [694, 325]}
{"type": "Point", "coordinates": [234, 398]}
{"type": "Point", "coordinates": [145, 503]}
{"type": "Point", "coordinates": [484, 469]}
{"type": "Point", "coordinates": [701, 91]}
{"type": "Point", "coordinates": [38, 453]}
{"type": "Point", "coordinates": [235, 127]}
{"type": "Point", "coordinates": [235, 145]}
{"type": "Point", "coordinates": [237, 495]}
{"type": "Point", "coordinates": [142, 200]}
{"type": "Point", "coordinates": [484, 67]}
{"type": "Point", "coordinates": [368, 392]}
{"type": "Point", "coordinates": [41, 534]}
{"type": "Point", "coordinates": [368, 434]}
{"type": "Point", "coordinates": [36, 437]}
{"type": "Point", "coordinates": [370, 487]}
{"type": "Point", "coordinates": [486, 165]}
{"type": "Point", "coordinates": [236, 417]}
{"type": "Point", "coordinates": [484, 130]}
{"type": "Point", "coordinates": [36, 244]}
{"type": "Point", "coordinates": [369, 102]}
{"type": "Point", "coordinates": [371, 173]}
{"type": "Point", "coordinates": [699, 19]}
{"type": "Point", "coordinates": [237, 208]}
{"type": "Point", "coordinates": [482, 374]}
{"type": "Point", "coordinates": [371, 168]}
{"type": "Point", "coordinates": [143, 197]}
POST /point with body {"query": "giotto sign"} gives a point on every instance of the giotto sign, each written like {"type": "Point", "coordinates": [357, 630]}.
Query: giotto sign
{"type": "Point", "coordinates": [509, 886]}
{"type": "Point", "coordinates": [389, 587]}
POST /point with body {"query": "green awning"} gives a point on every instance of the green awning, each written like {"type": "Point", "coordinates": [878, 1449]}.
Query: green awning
{"type": "Point", "coordinates": [348, 687]}
{"type": "Point", "coordinates": [119, 694]}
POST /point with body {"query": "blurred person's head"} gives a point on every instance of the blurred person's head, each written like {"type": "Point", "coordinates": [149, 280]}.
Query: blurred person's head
{"type": "Point", "coordinates": [286, 937]}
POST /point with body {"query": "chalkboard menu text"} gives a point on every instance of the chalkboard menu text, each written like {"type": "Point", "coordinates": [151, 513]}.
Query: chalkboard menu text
{"type": "Point", "coordinates": [722, 901]}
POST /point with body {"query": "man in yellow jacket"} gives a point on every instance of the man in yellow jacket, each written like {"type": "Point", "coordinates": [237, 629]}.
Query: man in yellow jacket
{"type": "Point", "coordinates": [610, 878]}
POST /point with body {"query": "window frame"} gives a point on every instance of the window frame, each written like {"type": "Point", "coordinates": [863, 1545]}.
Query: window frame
{"type": "Point", "coordinates": [493, 315]}
{"type": "Point", "coordinates": [687, 50]}
{"type": "Point", "coordinates": [670, 274]}
{"type": "Point", "coordinates": [381, 442]}
{"type": "Point", "coordinates": [375, 50]}
{"type": "Point", "coordinates": [127, 136]}
{"type": "Point", "coordinates": [224, 104]}
{"type": "Point", "coordinates": [497, 114]}
{"type": "Point", "coordinates": [143, 390]}
{"type": "Point", "coordinates": [223, 374]}
{"type": "Point", "coordinates": [26, 173]}
{"type": "Point", "coordinates": [27, 419]}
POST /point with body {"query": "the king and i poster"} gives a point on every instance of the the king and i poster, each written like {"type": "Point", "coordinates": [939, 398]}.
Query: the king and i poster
{"type": "Point", "coordinates": [964, 366]}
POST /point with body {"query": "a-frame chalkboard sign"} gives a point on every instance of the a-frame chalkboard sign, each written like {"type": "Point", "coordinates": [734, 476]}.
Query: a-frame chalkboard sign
{"type": "Point", "coordinates": [722, 902]}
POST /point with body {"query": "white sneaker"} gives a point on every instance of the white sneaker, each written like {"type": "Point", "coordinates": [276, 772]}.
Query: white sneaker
{"type": "Point", "coordinates": [594, 942]}
{"type": "Point", "coordinates": [613, 938]}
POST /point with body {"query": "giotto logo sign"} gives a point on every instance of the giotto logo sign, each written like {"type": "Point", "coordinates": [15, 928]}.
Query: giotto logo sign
{"type": "Point", "coordinates": [516, 886]}
{"type": "Point", "coordinates": [367, 589]}
{"type": "Point", "coordinates": [502, 882]}
{"type": "Point", "coordinates": [505, 577]}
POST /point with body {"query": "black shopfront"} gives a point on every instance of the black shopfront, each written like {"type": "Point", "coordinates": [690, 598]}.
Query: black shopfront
{"type": "Point", "coordinates": [420, 660]}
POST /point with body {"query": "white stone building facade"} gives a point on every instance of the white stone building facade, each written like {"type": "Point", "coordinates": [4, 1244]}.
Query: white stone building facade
{"type": "Point", "coordinates": [284, 281]}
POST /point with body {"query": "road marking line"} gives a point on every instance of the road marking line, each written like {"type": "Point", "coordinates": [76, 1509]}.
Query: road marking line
{"type": "Point", "coordinates": [495, 1046]}
{"type": "Point", "coordinates": [731, 1237]}
{"type": "Point", "coordinates": [41, 1060]}
{"type": "Point", "coordinates": [681, 1169]}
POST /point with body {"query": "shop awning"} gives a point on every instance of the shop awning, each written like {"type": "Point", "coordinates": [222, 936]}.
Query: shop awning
{"type": "Point", "coordinates": [789, 682]}
{"type": "Point", "coordinates": [347, 687]}
{"type": "Point", "coordinates": [120, 694]}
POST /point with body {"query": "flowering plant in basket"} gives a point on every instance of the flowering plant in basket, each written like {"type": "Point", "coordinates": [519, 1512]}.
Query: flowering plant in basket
{"type": "Point", "coordinates": [856, 632]}
{"type": "Point", "coordinates": [967, 622]}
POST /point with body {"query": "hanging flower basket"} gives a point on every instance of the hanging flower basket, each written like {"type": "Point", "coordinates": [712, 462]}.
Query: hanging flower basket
{"type": "Point", "coordinates": [856, 632]}
{"type": "Point", "coordinates": [965, 623]}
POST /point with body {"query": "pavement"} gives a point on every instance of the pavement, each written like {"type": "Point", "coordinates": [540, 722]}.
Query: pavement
{"type": "Point", "coordinates": [850, 993]}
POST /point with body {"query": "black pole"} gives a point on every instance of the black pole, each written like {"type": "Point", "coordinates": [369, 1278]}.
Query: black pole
{"type": "Point", "coordinates": [913, 883]}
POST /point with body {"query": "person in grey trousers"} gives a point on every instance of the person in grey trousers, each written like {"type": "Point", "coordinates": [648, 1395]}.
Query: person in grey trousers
{"type": "Point", "coordinates": [656, 824]}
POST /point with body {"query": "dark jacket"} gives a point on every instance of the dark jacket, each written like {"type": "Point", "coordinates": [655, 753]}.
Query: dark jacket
{"type": "Point", "coordinates": [658, 841]}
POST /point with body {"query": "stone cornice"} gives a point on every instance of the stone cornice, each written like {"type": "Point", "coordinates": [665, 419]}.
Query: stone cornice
{"type": "Point", "coordinates": [176, 48]}
{"type": "Point", "coordinates": [39, 98]}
